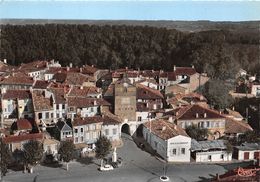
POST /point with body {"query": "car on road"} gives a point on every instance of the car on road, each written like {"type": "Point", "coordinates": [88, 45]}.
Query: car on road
{"type": "Point", "coordinates": [106, 167]}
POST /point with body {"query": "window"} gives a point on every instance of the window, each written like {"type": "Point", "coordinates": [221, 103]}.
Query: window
{"type": "Point", "coordinates": [209, 157]}
{"type": "Point", "coordinates": [81, 130]}
{"type": "Point", "coordinates": [47, 115]}
{"type": "Point", "coordinates": [82, 139]}
{"type": "Point", "coordinates": [40, 115]}
{"type": "Point", "coordinates": [76, 140]}
{"type": "Point", "coordinates": [174, 151]}
{"type": "Point", "coordinates": [75, 130]}
{"type": "Point", "coordinates": [57, 106]}
{"type": "Point", "coordinates": [106, 131]}
{"type": "Point", "coordinates": [222, 156]}
{"type": "Point", "coordinates": [51, 115]}
{"type": "Point", "coordinates": [58, 115]}
{"type": "Point", "coordinates": [63, 106]}
{"type": "Point", "coordinates": [91, 109]}
{"type": "Point", "coordinates": [155, 144]}
{"type": "Point", "coordinates": [139, 118]}
{"type": "Point", "coordinates": [114, 131]}
{"type": "Point", "coordinates": [208, 124]}
{"type": "Point", "coordinates": [182, 150]}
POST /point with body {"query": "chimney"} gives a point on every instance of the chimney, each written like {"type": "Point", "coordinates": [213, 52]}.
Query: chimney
{"type": "Point", "coordinates": [3, 90]}
{"type": "Point", "coordinates": [81, 87]}
{"type": "Point", "coordinates": [233, 108]}
{"type": "Point", "coordinates": [95, 102]}
{"type": "Point", "coordinates": [68, 68]}
{"type": "Point", "coordinates": [205, 115]}
{"type": "Point", "coordinates": [192, 66]}
{"type": "Point", "coordinates": [175, 126]}
{"type": "Point", "coordinates": [126, 68]}
{"type": "Point", "coordinates": [197, 115]}
{"type": "Point", "coordinates": [80, 70]}
{"type": "Point", "coordinates": [170, 119]}
{"type": "Point", "coordinates": [70, 65]}
{"type": "Point", "coordinates": [5, 61]}
{"type": "Point", "coordinates": [163, 128]}
{"type": "Point", "coordinates": [92, 65]}
{"type": "Point", "coordinates": [154, 106]}
{"type": "Point", "coordinates": [174, 68]}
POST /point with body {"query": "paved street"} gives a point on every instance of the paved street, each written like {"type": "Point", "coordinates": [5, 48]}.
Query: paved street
{"type": "Point", "coordinates": [138, 166]}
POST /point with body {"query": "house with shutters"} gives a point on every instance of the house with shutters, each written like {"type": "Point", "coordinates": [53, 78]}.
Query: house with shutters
{"type": "Point", "coordinates": [170, 141]}
{"type": "Point", "coordinates": [210, 151]}
{"type": "Point", "coordinates": [43, 108]}
{"type": "Point", "coordinates": [149, 101]}
{"type": "Point", "coordinates": [17, 81]}
{"type": "Point", "coordinates": [86, 131]}
{"type": "Point", "coordinates": [16, 104]}
{"type": "Point", "coordinates": [200, 116]}
{"type": "Point", "coordinates": [247, 151]}
{"type": "Point", "coordinates": [85, 107]}
{"type": "Point", "coordinates": [65, 128]}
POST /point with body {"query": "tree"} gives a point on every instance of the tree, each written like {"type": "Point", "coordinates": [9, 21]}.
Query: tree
{"type": "Point", "coordinates": [33, 152]}
{"type": "Point", "coordinates": [5, 157]}
{"type": "Point", "coordinates": [197, 133]}
{"type": "Point", "coordinates": [229, 147]}
{"type": "Point", "coordinates": [66, 152]}
{"type": "Point", "coordinates": [249, 137]}
{"type": "Point", "coordinates": [103, 147]}
{"type": "Point", "coordinates": [217, 93]}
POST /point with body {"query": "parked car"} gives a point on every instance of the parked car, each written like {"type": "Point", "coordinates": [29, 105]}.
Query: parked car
{"type": "Point", "coordinates": [106, 167]}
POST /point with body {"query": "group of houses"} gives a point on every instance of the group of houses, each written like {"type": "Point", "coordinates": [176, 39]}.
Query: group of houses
{"type": "Point", "coordinates": [83, 103]}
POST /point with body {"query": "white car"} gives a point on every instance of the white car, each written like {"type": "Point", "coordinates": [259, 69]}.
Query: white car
{"type": "Point", "coordinates": [106, 167]}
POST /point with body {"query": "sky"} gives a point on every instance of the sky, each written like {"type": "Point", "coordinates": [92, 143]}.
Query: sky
{"type": "Point", "coordinates": [131, 10]}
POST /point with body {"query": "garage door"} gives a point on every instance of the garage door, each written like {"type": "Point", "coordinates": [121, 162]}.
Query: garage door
{"type": "Point", "coordinates": [246, 155]}
{"type": "Point", "coordinates": [256, 155]}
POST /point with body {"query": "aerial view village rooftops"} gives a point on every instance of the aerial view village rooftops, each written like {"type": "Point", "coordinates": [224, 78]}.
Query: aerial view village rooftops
{"type": "Point", "coordinates": [163, 112]}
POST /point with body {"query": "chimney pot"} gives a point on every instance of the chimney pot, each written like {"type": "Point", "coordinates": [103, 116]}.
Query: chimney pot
{"type": "Point", "coordinates": [5, 61]}
{"type": "Point", "coordinates": [70, 65]}
{"type": "Point", "coordinates": [68, 68]}
{"type": "Point", "coordinates": [174, 68]}
{"type": "Point", "coordinates": [197, 115]}
{"type": "Point", "coordinates": [205, 115]}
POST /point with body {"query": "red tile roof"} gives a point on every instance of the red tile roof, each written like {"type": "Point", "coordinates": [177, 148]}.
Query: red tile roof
{"type": "Point", "coordinates": [190, 112]}
{"type": "Point", "coordinates": [87, 120]}
{"type": "Point", "coordinates": [84, 91]}
{"type": "Point", "coordinates": [23, 124]}
{"type": "Point", "coordinates": [144, 92]}
{"type": "Point", "coordinates": [164, 129]}
{"type": "Point", "coordinates": [41, 103]}
{"type": "Point", "coordinates": [23, 137]}
{"type": "Point", "coordinates": [18, 79]}
{"type": "Point", "coordinates": [80, 102]}
{"type": "Point", "coordinates": [41, 84]}
{"type": "Point", "coordinates": [234, 126]}
{"type": "Point", "coordinates": [17, 94]}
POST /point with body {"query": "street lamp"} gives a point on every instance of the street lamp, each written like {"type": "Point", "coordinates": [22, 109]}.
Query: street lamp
{"type": "Point", "coordinates": [164, 177]}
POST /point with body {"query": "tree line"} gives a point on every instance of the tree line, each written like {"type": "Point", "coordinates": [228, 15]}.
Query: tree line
{"type": "Point", "coordinates": [217, 52]}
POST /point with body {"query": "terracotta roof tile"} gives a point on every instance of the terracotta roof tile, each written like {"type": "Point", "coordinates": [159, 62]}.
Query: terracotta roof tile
{"type": "Point", "coordinates": [41, 84]}
{"type": "Point", "coordinates": [144, 92]}
{"type": "Point", "coordinates": [23, 137]}
{"type": "Point", "coordinates": [80, 102]}
{"type": "Point", "coordinates": [17, 94]}
{"type": "Point", "coordinates": [40, 103]}
{"type": "Point", "coordinates": [234, 126]}
{"type": "Point", "coordinates": [18, 79]}
{"type": "Point", "coordinates": [165, 129]}
{"type": "Point", "coordinates": [190, 112]}
{"type": "Point", "coordinates": [24, 124]}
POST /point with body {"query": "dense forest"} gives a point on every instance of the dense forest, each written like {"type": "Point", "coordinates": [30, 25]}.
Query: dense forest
{"type": "Point", "coordinates": [218, 52]}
